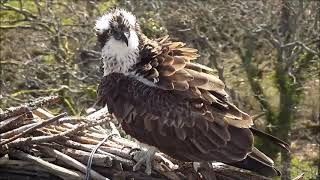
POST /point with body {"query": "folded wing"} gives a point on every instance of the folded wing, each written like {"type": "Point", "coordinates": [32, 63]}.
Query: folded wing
{"type": "Point", "coordinates": [170, 66]}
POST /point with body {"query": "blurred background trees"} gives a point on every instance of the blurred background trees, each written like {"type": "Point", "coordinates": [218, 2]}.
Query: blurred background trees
{"type": "Point", "coordinates": [267, 53]}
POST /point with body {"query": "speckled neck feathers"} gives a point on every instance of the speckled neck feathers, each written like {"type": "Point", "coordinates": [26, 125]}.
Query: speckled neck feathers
{"type": "Point", "coordinates": [118, 59]}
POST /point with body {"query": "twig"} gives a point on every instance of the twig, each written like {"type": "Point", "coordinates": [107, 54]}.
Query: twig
{"type": "Point", "coordinates": [54, 169]}
{"type": "Point", "coordinates": [89, 163]}
{"type": "Point", "coordinates": [300, 177]}
{"type": "Point", "coordinates": [117, 154]}
{"type": "Point", "coordinates": [298, 43]}
{"type": "Point", "coordinates": [17, 131]}
{"type": "Point", "coordinates": [116, 174]}
{"type": "Point", "coordinates": [44, 123]}
{"type": "Point", "coordinates": [234, 173]}
{"type": "Point", "coordinates": [99, 114]}
{"type": "Point", "coordinates": [41, 139]}
{"type": "Point", "coordinates": [43, 114]}
{"type": "Point", "coordinates": [83, 156]}
{"type": "Point", "coordinates": [10, 123]}
{"type": "Point", "coordinates": [72, 162]}
{"type": "Point", "coordinates": [15, 111]}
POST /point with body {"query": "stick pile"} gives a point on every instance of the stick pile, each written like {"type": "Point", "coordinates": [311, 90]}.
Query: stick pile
{"type": "Point", "coordinates": [40, 145]}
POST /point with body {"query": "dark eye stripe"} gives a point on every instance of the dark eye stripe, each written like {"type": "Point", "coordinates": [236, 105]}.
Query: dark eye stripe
{"type": "Point", "coordinates": [102, 38]}
{"type": "Point", "coordinates": [122, 25]}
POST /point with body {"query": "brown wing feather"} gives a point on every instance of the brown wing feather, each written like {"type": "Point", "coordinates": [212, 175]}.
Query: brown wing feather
{"type": "Point", "coordinates": [166, 70]}
{"type": "Point", "coordinates": [198, 67]}
{"type": "Point", "coordinates": [181, 75]}
{"type": "Point", "coordinates": [179, 63]}
{"type": "Point", "coordinates": [170, 68]}
{"type": "Point", "coordinates": [166, 60]}
{"type": "Point", "coordinates": [177, 124]}
{"type": "Point", "coordinates": [181, 85]}
{"type": "Point", "coordinates": [163, 124]}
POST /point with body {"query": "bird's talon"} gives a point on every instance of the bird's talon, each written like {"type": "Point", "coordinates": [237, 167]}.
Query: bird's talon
{"type": "Point", "coordinates": [133, 151]}
{"type": "Point", "coordinates": [137, 166]}
{"type": "Point", "coordinates": [143, 157]}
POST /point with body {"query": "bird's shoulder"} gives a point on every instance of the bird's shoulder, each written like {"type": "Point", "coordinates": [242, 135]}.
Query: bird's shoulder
{"type": "Point", "coordinates": [171, 66]}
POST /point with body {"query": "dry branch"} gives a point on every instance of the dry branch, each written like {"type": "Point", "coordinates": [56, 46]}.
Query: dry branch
{"type": "Point", "coordinates": [10, 123]}
{"type": "Point", "coordinates": [60, 171]}
{"type": "Point", "coordinates": [44, 123]}
{"type": "Point", "coordinates": [19, 130]}
{"type": "Point", "coordinates": [72, 162]}
{"type": "Point", "coordinates": [40, 102]}
{"type": "Point", "coordinates": [98, 159]}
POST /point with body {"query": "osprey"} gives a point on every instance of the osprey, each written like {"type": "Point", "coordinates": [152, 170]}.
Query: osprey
{"type": "Point", "coordinates": [163, 98]}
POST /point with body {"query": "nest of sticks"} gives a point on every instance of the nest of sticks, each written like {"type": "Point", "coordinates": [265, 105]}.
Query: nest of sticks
{"type": "Point", "coordinates": [37, 144]}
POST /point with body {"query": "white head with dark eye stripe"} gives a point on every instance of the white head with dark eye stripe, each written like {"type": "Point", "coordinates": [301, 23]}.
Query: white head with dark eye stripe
{"type": "Point", "coordinates": [118, 37]}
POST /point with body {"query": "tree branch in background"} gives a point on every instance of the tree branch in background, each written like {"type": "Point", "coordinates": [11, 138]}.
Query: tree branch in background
{"type": "Point", "coordinates": [246, 54]}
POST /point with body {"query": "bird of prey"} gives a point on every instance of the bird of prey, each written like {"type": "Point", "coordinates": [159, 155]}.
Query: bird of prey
{"type": "Point", "coordinates": [166, 100]}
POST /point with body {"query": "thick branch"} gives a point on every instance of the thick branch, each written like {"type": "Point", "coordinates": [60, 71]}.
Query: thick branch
{"type": "Point", "coordinates": [40, 102]}
{"type": "Point", "coordinates": [72, 162]}
{"type": "Point", "coordinates": [44, 123]}
{"type": "Point", "coordinates": [52, 168]}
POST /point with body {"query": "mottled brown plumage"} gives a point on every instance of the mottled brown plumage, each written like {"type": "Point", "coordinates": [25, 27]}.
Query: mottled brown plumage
{"type": "Point", "coordinates": [169, 101]}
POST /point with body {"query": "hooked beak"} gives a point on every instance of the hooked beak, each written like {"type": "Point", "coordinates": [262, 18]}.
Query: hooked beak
{"type": "Point", "coordinates": [121, 37]}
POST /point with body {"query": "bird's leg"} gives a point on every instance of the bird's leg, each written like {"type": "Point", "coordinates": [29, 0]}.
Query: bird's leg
{"type": "Point", "coordinates": [144, 157]}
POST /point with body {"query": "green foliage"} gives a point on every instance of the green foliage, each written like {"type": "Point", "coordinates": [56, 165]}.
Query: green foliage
{"type": "Point", "coordinates": [6, 16]}
{"type": "Point", "coordinates": [150, 26]}
{"type": "Point", "coordinates": [91, 91]}
{"type": "Point", "coordinates": [308, 168]}
{"type": "Point", "coordinates": [68, 21]}
{"type": "Point", "coordinates": [272, 93]}
{"type": "Point", "coordinates": [298, 166]}
{"type": "Point", "coordinates": [28, 6]}
{"type": "Point", "coordinates": [70, 106]}
{"type": "Point", "coordinates": [49, 59]}
{"type": "Point", "coordinates": [106, 5]}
